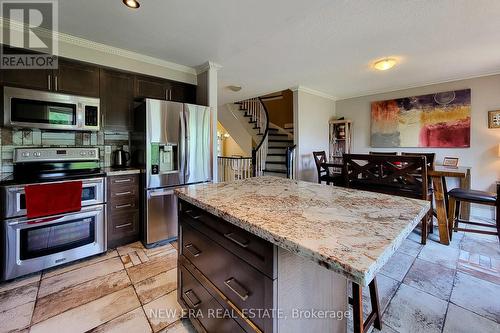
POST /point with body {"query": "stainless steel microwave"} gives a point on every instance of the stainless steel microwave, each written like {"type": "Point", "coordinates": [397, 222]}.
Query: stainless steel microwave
{"type": "Point", "coordinates": [48, 110]}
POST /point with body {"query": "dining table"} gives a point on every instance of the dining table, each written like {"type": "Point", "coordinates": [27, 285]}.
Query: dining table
{"type": "Point", "coordinates": [438, 174]}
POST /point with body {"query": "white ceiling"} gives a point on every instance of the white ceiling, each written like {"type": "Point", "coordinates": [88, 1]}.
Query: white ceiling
{"type": "Point", "coordinates": [326, 45]}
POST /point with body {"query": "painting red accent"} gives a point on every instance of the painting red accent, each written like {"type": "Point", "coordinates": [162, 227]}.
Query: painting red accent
{"type": "Point", "coordinates": [450, 134]}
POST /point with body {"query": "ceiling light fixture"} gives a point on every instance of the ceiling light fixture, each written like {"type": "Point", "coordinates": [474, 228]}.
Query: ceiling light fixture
{"type": "Point", "coordinates": [132, 4]}
{"type": "Point", "coordinates": [385, 64]}
{"type": "Point", "coordinates": [234, 88]}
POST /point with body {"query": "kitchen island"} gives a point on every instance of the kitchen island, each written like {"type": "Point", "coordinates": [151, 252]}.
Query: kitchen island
{"type": "Point", "coordinates": [275, 255]}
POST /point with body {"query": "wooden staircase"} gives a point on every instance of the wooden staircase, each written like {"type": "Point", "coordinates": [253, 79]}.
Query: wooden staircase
{"type": "Point", "coordinates": [278, 143]}
{"type": "Point", "coordinates": [270, 142]}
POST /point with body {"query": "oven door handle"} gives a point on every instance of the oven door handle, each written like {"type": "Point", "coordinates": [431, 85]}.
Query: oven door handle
{"type": "Point", "coordinates": [56, 218]}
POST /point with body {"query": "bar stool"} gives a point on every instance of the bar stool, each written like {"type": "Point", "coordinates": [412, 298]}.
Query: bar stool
{"type": "Point", "coordinates": [458, 195]}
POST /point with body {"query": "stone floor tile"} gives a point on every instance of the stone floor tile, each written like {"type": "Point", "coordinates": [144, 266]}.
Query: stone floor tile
{"type": "Point", "coordinates": [159, 250]}
{"type": "Point", "coordinates": [476, 295]}
{"type": "Point", "coordinates": [180, 326]}
{"type": "Point", "coordinates": [18, 296]}
{"type": "Point", "coordinates": [412, 310]}
{"type": "Point", "coordinates": [16, 318]}
{"type": "Point", "coordinates": [79, 264]}
{"type": "Point", "coordinates": [386, 289]}
{"type": "Point", "coordinates": [385, 329]}
{"type": "Point", "coordinates": [482, 247]}
{"type": "Point", "coordinates": [414, 236]}
{"type": "Point", "coordinates": [410, 247]}
{"type": "Point", "coordinates": [22, 281]}
{"type": "Point", "coordinates": [469, 263]}
{"type": "Point", "coordinates": [459, 320]}
{"type": "Point", "coordinates": [434, 279]}
{"type": "Point", "coordinates": [163, 311]}
{"type": "Point", "coordinates": [71, 278]}
{"type": "Point", "coordinates": [127, 262]}
{"type": "Point", "coordinates": [134, 258]}
{"type": "Point", "coordinates": [142, 255]}
{"type": "Point", "coordinates": [440, 254]}
{"type": "Point", "coordinates": [69, 298]}
{"type": "Point", "coordinates": [132, 247]}
{"type": "Point", "coordinates": [156, 286]}
{"type": "Point", "coordinates": [397, 266]}
{"type": "Point", "coordinates": [131, 322]}
{"type": "Point", "coordinates": [175, 245]}
{"type": "Point", "coordinates": [91, 315]}
{"type": "Point", "coordinates": [154, 266]}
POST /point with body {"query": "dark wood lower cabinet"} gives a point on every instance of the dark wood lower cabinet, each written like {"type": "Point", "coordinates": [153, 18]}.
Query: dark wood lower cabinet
{"type": "Point", "coordinates": [123, 218]}
{"type": "Point", "coordinates": [227, 272]}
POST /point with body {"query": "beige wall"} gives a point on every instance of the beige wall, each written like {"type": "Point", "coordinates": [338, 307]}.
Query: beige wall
{"type": "Point", "coordinates": [481, 156]}
{"type": "Point", "coordinates": [229, 145]}
{"type": "Point", "coordinates": [311, 116]}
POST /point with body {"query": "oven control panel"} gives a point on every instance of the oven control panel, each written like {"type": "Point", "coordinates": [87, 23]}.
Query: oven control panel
{"type": "Point", "coordinates": [25, 155]}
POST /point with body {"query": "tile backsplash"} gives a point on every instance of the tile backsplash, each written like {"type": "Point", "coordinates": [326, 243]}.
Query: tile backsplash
{"type": "Point", "coordinates": [11, 139]}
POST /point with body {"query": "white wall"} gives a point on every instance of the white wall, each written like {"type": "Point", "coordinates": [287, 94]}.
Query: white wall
{"type": "Point", "coordinates": [481, 156]}
{"type": "Point", "coordinates": [311, 114]}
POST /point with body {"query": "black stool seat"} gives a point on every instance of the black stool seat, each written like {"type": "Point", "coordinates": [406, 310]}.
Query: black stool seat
{"type": "Point", "coordinates": [473, 195]}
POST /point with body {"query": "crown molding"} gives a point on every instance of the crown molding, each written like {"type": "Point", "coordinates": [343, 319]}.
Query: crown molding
{"type": "Point", "coordinates": [420, 85]}
{"type": "Point", "coordinates": [88, 44]}
{"type": "Point", "coordinates": [207, 66]}
{"type": "Point", "coordinates": [313, 92]}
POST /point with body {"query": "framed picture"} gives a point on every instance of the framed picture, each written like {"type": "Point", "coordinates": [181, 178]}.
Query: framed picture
{"type": "Point", "coordinates": [440, 120]}
{"type": "Point", "coordinates": [450, 162]}
{"type": "Point", "coordinates": [494, 119]}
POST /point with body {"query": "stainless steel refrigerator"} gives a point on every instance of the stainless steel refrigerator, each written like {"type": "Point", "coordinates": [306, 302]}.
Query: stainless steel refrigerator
{"type": "Point", "coordinates": [172, 143]}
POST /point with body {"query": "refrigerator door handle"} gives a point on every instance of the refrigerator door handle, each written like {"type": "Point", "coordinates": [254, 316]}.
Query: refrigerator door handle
{"type": "Point", "coordinates": [161, 193]}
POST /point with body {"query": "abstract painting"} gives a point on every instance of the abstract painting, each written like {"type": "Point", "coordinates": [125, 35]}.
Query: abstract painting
{"type": "Point", "coordinates": [440, 120]}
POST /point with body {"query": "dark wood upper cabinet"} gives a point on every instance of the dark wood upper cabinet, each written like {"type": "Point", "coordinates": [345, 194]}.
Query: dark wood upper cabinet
{"type": "Point", "coordinates": [149, 87]}
{"type": "Point", "coordinates": [117, 97]}
{"type": "Point", "coordinates": [183, 92]}
{"type": "Point", "coordinates": [76, 78]}
{"type": "Point", "coordinates": [39, 79]}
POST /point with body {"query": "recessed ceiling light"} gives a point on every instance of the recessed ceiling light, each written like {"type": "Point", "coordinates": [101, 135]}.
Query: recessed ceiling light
{"type": "Point", "coordinates": [234, 88]}
{"type": "Point", "coordinates": [132, 3]}
{"type": "Point", "coordinates": [385, 64]}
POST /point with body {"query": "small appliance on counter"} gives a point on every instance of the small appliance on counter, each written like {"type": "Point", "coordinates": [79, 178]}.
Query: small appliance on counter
{"type": "Point", "coordinates": [121, 158]}
{"type": "Point", "coordinates": [172, 143]}
{"type": "Point", "coordinates": [32, 240]}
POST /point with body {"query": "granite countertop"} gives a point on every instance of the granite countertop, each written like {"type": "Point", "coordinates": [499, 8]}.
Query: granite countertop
{"type": "Point", "coordinates": [348, 231]}
{"type": "Point", "coordinates": [121, 171]}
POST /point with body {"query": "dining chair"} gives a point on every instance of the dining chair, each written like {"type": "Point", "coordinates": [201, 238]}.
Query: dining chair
{"type": "Point", "coordinates": [430, 158]}
{"type": "Point", "coordinates": [323, 173]}
{"type": "Point", "coordinates": [459, 195]}
{"type": "Point", "coordinates": [395, 175]}
{"type": "Point", "coordinates": [383, 153]}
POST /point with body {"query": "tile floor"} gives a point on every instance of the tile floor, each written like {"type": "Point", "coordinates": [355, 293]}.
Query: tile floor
{"type": "Point", "coordinates": [434, 288]}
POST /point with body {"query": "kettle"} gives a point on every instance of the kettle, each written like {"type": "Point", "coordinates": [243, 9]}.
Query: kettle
{"type": "Point", "coordinates": [121, 158]}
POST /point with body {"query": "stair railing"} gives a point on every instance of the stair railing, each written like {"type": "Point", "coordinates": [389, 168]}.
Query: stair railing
{"type": "Point", "coordinates": [234, 168]}
{"type": "Point", "coordinates": [260, 116]}
{"type": "Point", "coordinates": [290, 162]}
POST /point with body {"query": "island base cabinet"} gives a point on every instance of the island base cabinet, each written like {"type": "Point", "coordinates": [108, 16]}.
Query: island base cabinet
{"type": "Point", "coordinates": [217, 276]}
{"type": "Point", "coordinates": [204, 310]}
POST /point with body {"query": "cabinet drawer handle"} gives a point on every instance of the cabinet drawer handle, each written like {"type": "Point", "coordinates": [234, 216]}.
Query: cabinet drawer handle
{"type": "Point", "coordinates": [195, 252]}
{"type": "Point", "coordinates": [123, 206]}
{"type": "Point", "coordinates": [127, 180]}
{"type": "Point", "coordinates": [49, 81]}
{"type": "Point", "coordinates": [123, 225]}
{"type": "Point", "coordinates": [236, 288]}
{"type": "Point", "coordinates": [190, 293]}
{"type": "Point", "coordinates": [191, 214]}
{"type": "Point", "coordinates": [123, 193]}
{"type": "Point", "coordinates": [233, 237]}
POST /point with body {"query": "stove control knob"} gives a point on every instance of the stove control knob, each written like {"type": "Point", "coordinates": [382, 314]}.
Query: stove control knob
{"type": "Point", "coordinates": [37, 154]}
{"type": "Point", "coordinates": [26, 154]}
{"type": "Point", "coordinates": [83, 153]}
